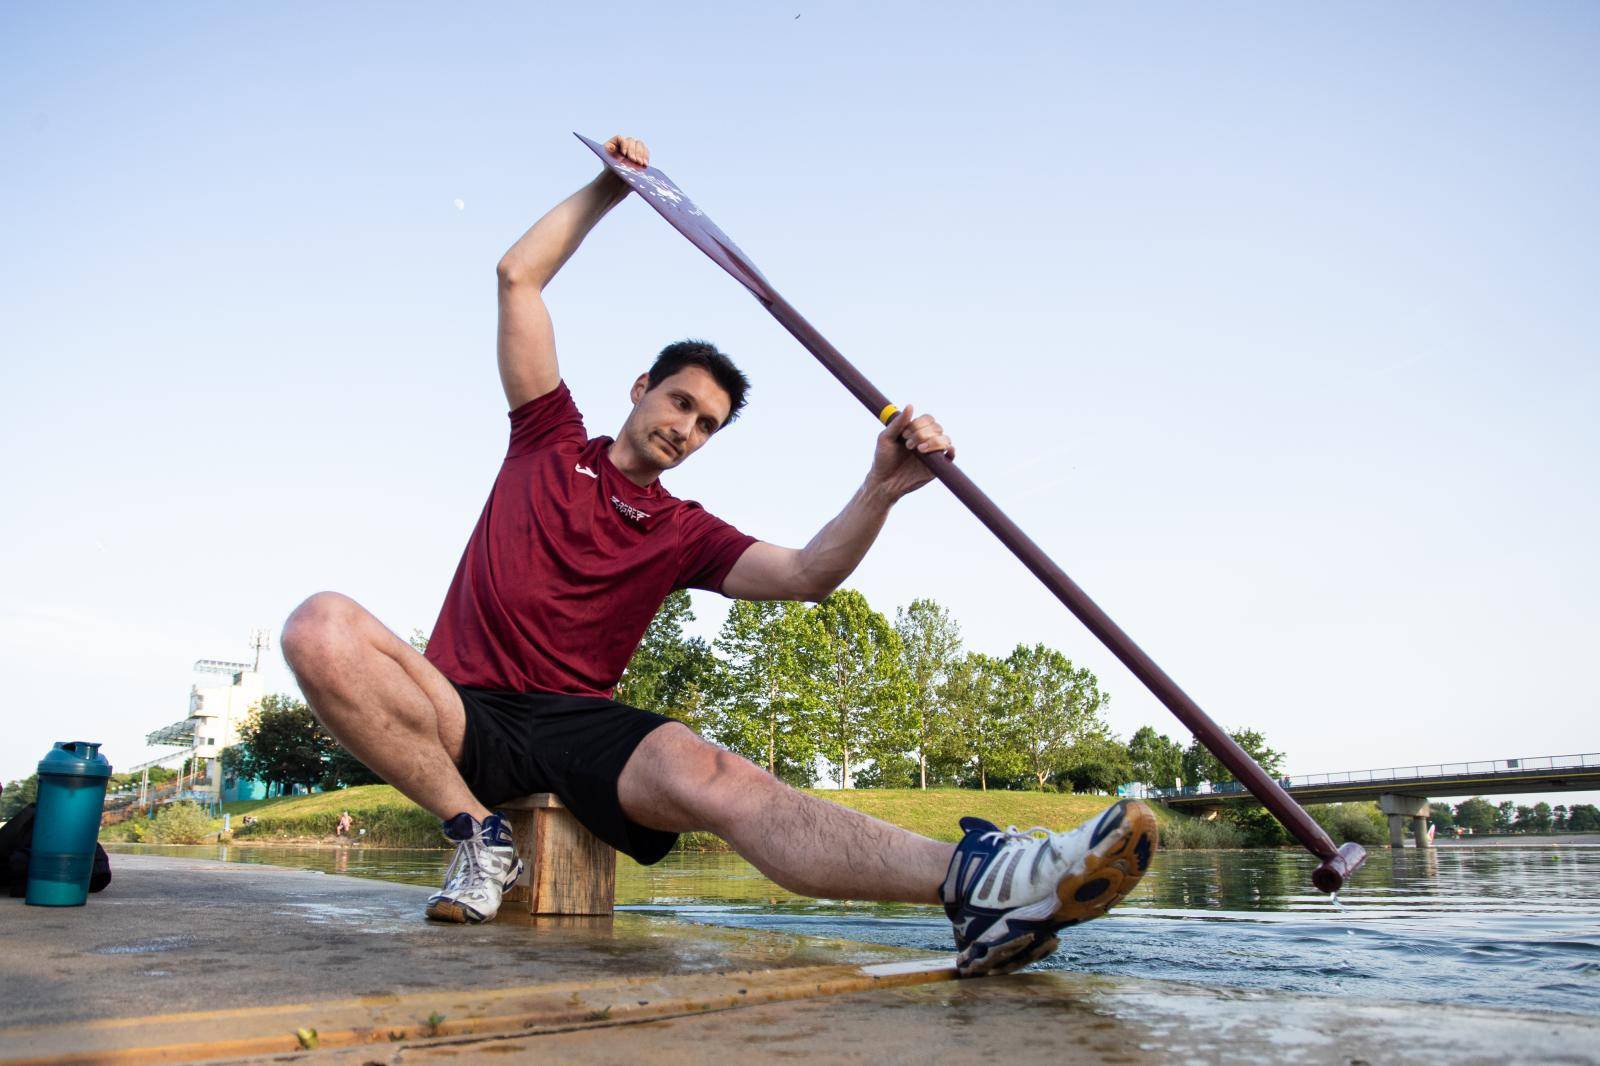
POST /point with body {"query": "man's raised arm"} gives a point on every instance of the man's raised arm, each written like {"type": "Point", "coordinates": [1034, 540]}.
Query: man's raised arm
{"type": "Point", "coordinates": [526, 346]}
{"type": "Point", "coordinates": [768, 572]}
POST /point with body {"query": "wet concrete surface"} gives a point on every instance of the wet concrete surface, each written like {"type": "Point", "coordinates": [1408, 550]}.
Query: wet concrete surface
{"type": "Point", "coordinates": [180, 935]}
{"type": "Point", "coordinates": [187, 960]}
{"type": "Point", "coordinates": [1048, 1018]}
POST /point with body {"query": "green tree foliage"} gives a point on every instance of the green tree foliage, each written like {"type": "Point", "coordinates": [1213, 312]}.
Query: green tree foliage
{"type": "Point", "coordinates": [1558, 820]}
{"type": "Point", "coordinates": [1157, 758]}
{"type": "Point", "coordinates": [1583, 818]}
{"type": "Point", "coordinates": [179, 823]}
{"type": "Point", "coordinates": [979, 743]}
{"type": "Point", "coordinates": [1444, 818]}
{"type": "Point", "coordinates": [1476, 814]}
{"type": "Point", "coordinates": [17, 795]}
{"type": "Point", "coordinates": [1256, 825]}
{"type": "Point", "coordinates": [669, 673]}
{"type": "Point", "coordinates": [1542, 818]}
{"type": "Point", "coordinates": [768, 706]}
{"type": "Point", "coordinates": [1362, 823]}
{"type": "Point", "coordinates": [1200, 765]}
{"type": "Point", "coordinates": [282, 744]}
{"type": "Point", "coordinates": [930, 643]}
{"type": "Point", "coordinates": [1505, 815]}
{"type": "Point", "coordinates": [1097, 764]}
{"type": "Point", "coordinates": [860, 682]}
{"type": "Point", "coordinates": [1055, 707]}
{"type": "Point", "coordinates": [345, 770]}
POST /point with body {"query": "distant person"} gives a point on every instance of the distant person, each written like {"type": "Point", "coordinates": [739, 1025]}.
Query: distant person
{"type": "Point", "coordinates": [342, 828]}
{"type": "Point", "coordinates": [574, 552]}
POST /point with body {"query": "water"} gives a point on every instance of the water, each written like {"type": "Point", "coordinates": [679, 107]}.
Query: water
{"type": "Point", "coordinates": [1503, 927]}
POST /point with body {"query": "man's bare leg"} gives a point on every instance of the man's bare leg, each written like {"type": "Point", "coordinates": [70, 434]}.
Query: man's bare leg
{"type": "Point", "coordinates": [677, 782]}
{"type": "Point", "coordinates": [382, 700]}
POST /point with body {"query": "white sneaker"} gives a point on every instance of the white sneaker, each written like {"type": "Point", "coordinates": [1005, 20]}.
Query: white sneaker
{"type": "Point", "coordinates": [1008, 893]}
{"type": "Point", "coordinates": [485, 865]}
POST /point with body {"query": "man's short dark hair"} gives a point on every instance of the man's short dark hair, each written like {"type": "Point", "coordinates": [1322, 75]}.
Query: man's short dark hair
{"type": "Point", "coordinates": [703, 354]}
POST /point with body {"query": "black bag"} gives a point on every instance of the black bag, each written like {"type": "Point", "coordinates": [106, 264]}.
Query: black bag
{"type": "Point", "coordinates": [16, 845]}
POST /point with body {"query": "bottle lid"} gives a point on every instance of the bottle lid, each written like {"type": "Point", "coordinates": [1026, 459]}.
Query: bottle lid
{"type": "Point", "coordinates": [75, 758]}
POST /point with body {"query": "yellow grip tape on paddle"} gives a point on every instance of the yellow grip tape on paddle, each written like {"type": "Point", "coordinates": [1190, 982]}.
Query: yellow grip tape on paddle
{"type": "Point", "coordinates": [887, 414]}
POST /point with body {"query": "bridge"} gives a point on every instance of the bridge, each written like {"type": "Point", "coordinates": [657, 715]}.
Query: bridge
{"type": "Point", "coordinates": [1402, 791]}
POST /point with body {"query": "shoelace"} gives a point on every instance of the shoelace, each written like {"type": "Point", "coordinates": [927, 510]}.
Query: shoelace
{"type": "Point", "coordinates": [467, 869]}
{"type": "Point", "coordinates": [1013, 834]}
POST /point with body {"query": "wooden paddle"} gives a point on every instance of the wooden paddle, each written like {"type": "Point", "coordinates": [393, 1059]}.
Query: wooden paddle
{"type": "Point", "coordinates": [664, 195]}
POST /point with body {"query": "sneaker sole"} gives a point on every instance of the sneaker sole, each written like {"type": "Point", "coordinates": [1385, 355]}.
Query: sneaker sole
{"type": "Point", "coordinates": [1110, 874]}
{"type": "Point", "coordinates": [448, 910]}
{"type": "Point", "coordinates": [1008, 957]}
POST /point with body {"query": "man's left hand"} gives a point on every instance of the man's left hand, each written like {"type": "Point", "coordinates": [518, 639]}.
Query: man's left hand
{"type": "Point", "coordinates": [896, 467]}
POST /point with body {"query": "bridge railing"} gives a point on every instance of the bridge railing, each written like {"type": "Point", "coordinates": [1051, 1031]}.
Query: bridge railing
{"type": "Point", "coordinates": [1533, 764]}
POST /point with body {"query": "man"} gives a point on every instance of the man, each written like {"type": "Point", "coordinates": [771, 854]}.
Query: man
{"type": "Point", "coordinates": [576, 549]}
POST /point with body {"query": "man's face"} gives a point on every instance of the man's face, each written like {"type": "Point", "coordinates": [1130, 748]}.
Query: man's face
{"type": "Point", "coordinates": [671, 421]}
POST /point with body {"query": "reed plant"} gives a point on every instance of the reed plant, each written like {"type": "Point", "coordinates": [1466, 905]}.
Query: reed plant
{"type": "Point", "coordinates": [1362, 823]}
{"type": "Point", "coordinates": [1185, 832]}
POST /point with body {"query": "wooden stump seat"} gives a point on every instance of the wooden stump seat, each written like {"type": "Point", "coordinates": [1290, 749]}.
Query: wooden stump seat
{"type": "Point", "coordinates": [565, 868]}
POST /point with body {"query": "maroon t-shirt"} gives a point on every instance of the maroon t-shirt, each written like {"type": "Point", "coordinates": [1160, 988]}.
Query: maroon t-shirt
{"type": "Point", "coordinates": [569, 562]}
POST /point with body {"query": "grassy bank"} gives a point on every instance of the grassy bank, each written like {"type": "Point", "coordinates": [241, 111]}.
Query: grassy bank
{"type": "Point", "coordinates": [392, 821]}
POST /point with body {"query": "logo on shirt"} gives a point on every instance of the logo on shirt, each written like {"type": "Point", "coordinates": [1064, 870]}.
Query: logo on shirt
{"type": "Point", "coordinates": [628, 512]}
{"type": "Point", "coordinates": [580, 468]}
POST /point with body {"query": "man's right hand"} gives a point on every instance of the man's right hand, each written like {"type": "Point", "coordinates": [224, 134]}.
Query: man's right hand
{"type": "Point", "coordinates": [630, 148]}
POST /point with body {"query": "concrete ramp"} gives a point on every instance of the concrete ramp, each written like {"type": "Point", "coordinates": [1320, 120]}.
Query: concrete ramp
{"type": "Point", "coordinates": [199, 961]}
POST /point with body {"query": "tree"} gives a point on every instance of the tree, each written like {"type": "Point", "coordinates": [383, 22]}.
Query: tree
{"type": "Point", "coordinates": [344, 770]}
{"type": "Point", "coordinates": [1157, 758]}
{"type": "Point", "coordinates": [1559, 820]}
{"type": "Point", "coordinates": [17, 795]}
{"type": "Point", "coordinates": [1443, 819]}
{"type": "Point", "coordinates": [767, 701]}
{"type": "Point", "coordinates": [1054, 705]}
{"type": "Point", "coordinates": [1504, 814]}
{"type": "Point", "coordinates": [930, 643]}
{"type": "Point", "coordinates": [1583, 818]}
{"type": "Point", "coordinates": [1097, 764]}
{"type": "Point", "coordinates": [979, 742]}
{"type": "Point", "coordinates": [1200, 765]}
{"type": "Point", "coordinates": [1523, 823]}
{"type": "Point", "coordinates": [281, 743]}
{"type": "Point", "coordinates": [1476, 814]}
{"type": "Point", "coordinates": [670, 673]}
{"type": "Point", "coordinates": [860, 681]}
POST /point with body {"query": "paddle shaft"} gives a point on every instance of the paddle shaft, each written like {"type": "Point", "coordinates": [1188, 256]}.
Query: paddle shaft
{"type": "Point", "coordinates": [1225, 748]}
{"type": "Point", "coordinates": [670, 202]}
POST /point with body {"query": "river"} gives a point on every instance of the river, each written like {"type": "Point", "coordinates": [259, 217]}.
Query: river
{"type": "Point", "coordinates": [1487, 926]}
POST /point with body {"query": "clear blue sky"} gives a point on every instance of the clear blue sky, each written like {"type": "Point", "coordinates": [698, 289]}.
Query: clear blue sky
{"type": "Point", "coordinates": [1276, 327]}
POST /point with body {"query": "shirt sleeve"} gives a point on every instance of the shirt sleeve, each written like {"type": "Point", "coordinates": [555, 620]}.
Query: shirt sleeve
{"type": "Point", "coordinates": [707, 549]}
{"type": "Point", "coordinates": [544, 421]}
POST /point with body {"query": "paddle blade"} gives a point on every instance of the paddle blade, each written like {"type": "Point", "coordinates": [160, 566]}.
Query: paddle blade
{"type": "Point", "coordinates": [661, 193]}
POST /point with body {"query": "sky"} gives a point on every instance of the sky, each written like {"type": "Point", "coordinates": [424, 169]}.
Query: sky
{"type": "Point", "coordinates": [1275, 327]}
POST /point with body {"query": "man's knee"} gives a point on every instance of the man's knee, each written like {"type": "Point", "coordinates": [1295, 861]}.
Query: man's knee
{"type": "Point", "coordinates": [314, 630]}
{"type": "Point", "coordinates": [710, 782]}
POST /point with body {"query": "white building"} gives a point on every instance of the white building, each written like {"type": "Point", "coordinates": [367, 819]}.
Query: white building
{"type": "Point", "coordinates": [216, 711]}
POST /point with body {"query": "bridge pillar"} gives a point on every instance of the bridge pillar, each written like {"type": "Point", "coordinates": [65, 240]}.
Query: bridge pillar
{"type": "Point", "coordinates": [1400, 809]}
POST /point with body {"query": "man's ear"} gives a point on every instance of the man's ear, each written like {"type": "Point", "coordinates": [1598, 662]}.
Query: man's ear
{"type": "Point", "coordinates": [641, 385]}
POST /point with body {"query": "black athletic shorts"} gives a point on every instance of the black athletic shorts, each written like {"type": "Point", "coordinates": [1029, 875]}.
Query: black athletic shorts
{"type": "Point", "coordinates": [575, 746]}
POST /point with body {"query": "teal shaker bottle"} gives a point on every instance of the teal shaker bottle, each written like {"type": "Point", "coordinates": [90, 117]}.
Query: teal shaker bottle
{"type": "Point", "coordinates": [72, 793]}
